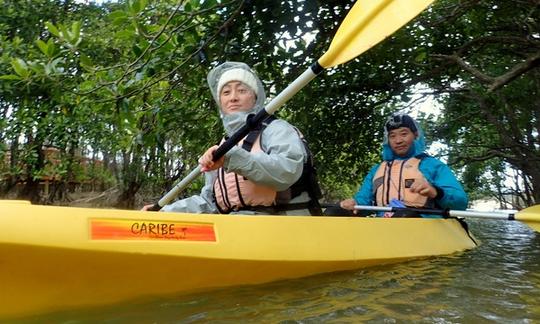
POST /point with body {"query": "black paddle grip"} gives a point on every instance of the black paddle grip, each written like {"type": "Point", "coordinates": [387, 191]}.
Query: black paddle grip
{"type": "Point", "coordinates": [443, 212]}
{"type": "Point", "coordinates": [155, 207]}
{"type": "Point", "coordinates": [316, 68]}
{"type": "Point", "coordinates": [252, 122]}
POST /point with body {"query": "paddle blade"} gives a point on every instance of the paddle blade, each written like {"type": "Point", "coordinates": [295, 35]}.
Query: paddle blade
{"type": "Point", "coordinates": [367, 23]}
{"type": "Point", "coordinates": [530, 216]}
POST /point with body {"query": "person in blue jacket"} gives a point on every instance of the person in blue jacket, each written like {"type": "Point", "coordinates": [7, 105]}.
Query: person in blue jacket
{"type": "Point", "coordinates": [407, 176]}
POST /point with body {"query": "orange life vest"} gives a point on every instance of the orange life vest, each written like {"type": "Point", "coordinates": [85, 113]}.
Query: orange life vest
{"type": "Point", "coordinates": [234, 192]}
{"type": "Point", "coordinates": [393, 180]}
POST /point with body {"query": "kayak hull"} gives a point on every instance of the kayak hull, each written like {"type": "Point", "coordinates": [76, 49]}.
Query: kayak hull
{"type": "Point", "coordinates": [55, 258]}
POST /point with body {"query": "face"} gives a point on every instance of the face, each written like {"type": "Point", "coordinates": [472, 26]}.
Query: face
{"type": "Point", "coordinates": [236, 96]}
{"type": "Point", "coordinates": [401, 140]}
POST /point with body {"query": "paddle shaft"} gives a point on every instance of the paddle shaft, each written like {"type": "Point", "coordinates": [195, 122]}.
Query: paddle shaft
{"type": "Point", "coordinates": [443, 212]}
{"type": "Point", "coordinates": [251, 123]}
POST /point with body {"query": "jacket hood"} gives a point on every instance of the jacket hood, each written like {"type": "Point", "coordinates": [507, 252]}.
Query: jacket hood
{"type": "Point", "coordinates": [233, 122]}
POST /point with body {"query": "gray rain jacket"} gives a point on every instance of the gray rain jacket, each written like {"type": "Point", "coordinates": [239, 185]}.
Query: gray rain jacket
{"type": "Point", "coordinates": [280, 166]}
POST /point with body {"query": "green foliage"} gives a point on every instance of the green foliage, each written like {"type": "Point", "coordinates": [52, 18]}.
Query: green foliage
{"type": "Point", "coordinates": [126, 81]}
{"type": "Point", "coordinates": [490, 115]}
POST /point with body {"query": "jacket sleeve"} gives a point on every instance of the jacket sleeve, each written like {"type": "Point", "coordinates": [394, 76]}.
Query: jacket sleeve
{"type": "Point", "coordinates": [441, 176]}
{"type": "Point", "coordinates": [364, 195]}
{"type": "Point", "coordinates": [281, 163]}
{"type": "Point", "coordinates": [200, 204]}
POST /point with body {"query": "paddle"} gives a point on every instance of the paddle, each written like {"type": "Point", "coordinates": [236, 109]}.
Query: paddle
{"type": "Point", "coordinates": [367, 23]}
{"type": "Point", "coordinates": [529, 216]}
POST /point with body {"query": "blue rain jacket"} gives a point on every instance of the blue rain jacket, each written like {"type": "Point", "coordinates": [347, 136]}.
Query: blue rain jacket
{"type": "Point", "coordinates": [435, 171]}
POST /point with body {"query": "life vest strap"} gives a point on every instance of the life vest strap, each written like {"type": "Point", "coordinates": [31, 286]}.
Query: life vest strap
{"type": "Point", "coordinates": [308, 181]}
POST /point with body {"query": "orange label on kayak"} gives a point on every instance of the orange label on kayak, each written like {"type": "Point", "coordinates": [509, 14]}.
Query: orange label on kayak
{"type": "Point", "coordinates": [119, 229]}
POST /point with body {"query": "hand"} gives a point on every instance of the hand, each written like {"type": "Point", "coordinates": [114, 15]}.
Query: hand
{"type": "Point", "coordinates": [206, 160]}
{"type": "Point", "coordinates": [348, 204]}
{"type": "Point", "coordinates": [146, 207]}
{"type": "Point", "coordinates": [424, 188]}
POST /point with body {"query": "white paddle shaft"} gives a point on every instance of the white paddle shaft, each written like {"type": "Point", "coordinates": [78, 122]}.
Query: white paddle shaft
{"type": "Point", "coordinates": [454, 213]}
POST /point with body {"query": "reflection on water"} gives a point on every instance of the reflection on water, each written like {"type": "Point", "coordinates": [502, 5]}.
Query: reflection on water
{"type": "Point", "coordinates": [498, 282]}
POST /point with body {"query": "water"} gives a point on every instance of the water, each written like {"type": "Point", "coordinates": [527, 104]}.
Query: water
{"type": "Point", "coordinates": [498, 282]}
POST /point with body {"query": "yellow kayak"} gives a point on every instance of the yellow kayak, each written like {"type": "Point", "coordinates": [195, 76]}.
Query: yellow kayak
{"type": "Point", "coordinates": [55, 258]}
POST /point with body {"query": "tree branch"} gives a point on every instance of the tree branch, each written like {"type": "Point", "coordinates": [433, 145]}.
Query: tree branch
{"type": "Point", "coordinates": [494, 83]}
{"type": "Point", "coordinates": [530, 63]}
{"type": "Point", "coordinates": [465, 66]}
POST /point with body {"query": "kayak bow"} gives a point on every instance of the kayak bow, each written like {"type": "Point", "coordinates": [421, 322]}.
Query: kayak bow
{"type": "Point", "coordinates": [56, 258]}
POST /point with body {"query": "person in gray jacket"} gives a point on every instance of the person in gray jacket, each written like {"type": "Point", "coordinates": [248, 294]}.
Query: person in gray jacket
{"type": "Point", "coordinates": [268, 172]}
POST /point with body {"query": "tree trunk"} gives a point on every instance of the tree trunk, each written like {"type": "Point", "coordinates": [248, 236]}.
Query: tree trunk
{"type": "Point", "coordinates": [31, 189]}
{"type": "Point", "coordinates": [131, 180]}
{"type": "Point", "coordinates": [126, 200]}
{"type": "Point", "coordinates": [12, 178]}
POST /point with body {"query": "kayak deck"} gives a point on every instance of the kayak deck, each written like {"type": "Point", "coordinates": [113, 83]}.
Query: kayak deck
{"type": "Point", "coordinates": [55, 258]}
